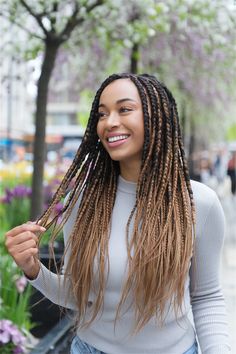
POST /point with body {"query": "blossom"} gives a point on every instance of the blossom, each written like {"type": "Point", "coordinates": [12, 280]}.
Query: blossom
{"type": "Point", "coordinates": [8, 196]}
{"type": "Point", "coordinates": [19, 191]}
{"type": "Point", "coordinates": [10, 334]}
{"type": "Point", "coordinates": [18, 350]}
{"type": "Point", "coordinates": [58, 208]}
{"type": "Point", "coordinates": [21, 283]}
{"type": "Point", "coordinates": [4, 336]}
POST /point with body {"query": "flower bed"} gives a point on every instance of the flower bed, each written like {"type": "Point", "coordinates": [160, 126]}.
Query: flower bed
{"type": "Point", "coordinates": [12, 340]}
{"type": "Point", "coordinates": [15, 316]}
{"type": "Point", "coordinates": [15, 293]}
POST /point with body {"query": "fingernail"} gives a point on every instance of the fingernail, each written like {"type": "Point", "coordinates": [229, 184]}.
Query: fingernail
{"type": "Point", "coordinates": [42, 228]}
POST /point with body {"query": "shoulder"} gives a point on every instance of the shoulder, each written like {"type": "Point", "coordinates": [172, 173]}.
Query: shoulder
{"type": "Point", "coordinates": [208, 207]}
{"type": "Point", "coordinates": [203, 195]}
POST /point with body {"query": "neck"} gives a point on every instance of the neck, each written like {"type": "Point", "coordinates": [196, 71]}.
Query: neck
{"type": "Point", "coordinates": [130, 171]}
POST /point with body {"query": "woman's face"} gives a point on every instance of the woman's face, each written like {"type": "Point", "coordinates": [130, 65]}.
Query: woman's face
{"type": "Point", "coordinates": [121, 125]}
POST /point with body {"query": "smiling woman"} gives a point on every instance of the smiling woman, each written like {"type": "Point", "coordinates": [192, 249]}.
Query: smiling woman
{"type": "Point", "coordinates": [133, 222]}
{"type": "Point", "coordinates": [121, 126]}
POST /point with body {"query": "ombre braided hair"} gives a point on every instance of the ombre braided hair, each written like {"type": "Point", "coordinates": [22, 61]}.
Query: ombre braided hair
{"type": "Point", "coordinates": [159, 248]}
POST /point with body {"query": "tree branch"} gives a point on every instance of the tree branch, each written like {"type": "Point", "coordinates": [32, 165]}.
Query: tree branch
{"type": "Point", "coordinates": [38, 17]}
{"type": "Point", "coordinates": [73, 21]}
{"type": "Point", "coordinates": [18, 24]}
{"type": "Point", "coordinates": [97, 3]}
{"type": "Point", "coordinates": [70, 25]}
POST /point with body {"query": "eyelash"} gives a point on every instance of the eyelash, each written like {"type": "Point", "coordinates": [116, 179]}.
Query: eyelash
{"type": "Point", "coordinates": [125, 109]}
{"type": "Point", "coordinates": [121, 110]}
{"type": "Point", "coordinates": [100, 114]}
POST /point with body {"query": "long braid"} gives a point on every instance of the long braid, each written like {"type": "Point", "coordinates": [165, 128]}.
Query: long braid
{"type": "Point", "coordinates": [161, 251]}
{"type": "Point", "coordinates": [159, 246]}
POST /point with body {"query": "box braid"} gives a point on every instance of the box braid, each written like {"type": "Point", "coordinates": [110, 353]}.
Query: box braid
{"type": "Point", "coordinates": [164, 210]}
{"type": "Point", "coordinates": [160, 245]}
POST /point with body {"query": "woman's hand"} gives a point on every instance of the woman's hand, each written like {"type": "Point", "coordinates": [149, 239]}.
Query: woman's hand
{"type": "Point", "coordinates": [22, 244]}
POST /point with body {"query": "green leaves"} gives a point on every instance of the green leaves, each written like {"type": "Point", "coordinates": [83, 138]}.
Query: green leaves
{"type": "Point", "coordinates": [14, 304]}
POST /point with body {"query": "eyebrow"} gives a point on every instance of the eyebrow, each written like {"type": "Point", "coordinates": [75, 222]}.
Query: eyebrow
{"type": "Point", "coordinates": [118, 101]}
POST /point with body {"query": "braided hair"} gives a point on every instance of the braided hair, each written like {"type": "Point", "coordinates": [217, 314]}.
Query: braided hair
{"type": "Point", "coordinates": [163, 214]}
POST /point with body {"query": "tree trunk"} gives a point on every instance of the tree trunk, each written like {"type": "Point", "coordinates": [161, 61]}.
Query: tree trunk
{"type": "Point", "coordinates": [134, 58]}
{"type": "Point", "coordinates": [51, 49]}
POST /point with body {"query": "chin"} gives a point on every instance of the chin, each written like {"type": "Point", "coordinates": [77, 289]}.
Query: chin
{"type": "Point", "coordinates": [115, 158]}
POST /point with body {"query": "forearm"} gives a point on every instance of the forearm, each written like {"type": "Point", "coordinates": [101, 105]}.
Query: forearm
{"type": "Point", "coordinates": [210, 320]}
{"type": "Point", "coordinates": [55, 287]}
{"type": "Point", "coordinates": [207, 301]}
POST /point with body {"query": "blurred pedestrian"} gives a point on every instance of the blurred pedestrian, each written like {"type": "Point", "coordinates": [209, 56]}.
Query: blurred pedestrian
{"type": "Point", "coordinates": [142, 243]}
{"type": "Point", "coordinates": [232, 172]}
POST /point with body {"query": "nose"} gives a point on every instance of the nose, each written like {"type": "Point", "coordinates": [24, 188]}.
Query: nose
{"type": "Point", "coordinates": [113, 120]}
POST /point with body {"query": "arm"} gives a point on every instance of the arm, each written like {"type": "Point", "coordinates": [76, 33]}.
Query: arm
{"type": "Point", "coordinates": [22, 245]}
{"type": "Point", "coordinates": [53, 286]}
{"type": "Point", "coordinates": [208, 303]}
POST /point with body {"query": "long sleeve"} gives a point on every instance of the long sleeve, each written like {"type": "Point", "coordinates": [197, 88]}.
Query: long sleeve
{"type": "Point", "coordinates": [53, 286]}
{"type": "Point", "coordinates": [207, 300]}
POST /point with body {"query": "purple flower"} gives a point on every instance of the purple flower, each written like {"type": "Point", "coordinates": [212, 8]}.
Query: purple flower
{"type": "Point", "coordinates": [4, 337]}
{"type": "Point", "coordinates": [5, 328]}
{"type": "Point", "coordinates": [21, 283]}
{"type": "Point", "coordinates": [10, 334]}
{"type": "Point", "coordinates": [18, 350]}
{"type": "Point", "coordinates": [58, 207]}
{"type": "Point", "coordinates": [21, 191]}
{"type": "Point", "coordinates": [8, 196]}
{"type": "Point", "coordinates": [17, 337]}
{"type": "Point", "coordinates": [55, 183]}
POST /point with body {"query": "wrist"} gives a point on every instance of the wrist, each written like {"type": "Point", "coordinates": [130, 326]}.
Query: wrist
{"type": "Point", "coordinates": [32, 273]}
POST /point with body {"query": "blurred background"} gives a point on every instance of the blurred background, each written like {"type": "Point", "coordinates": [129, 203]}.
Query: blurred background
{"type": "Point", "coordinates": [54, 55]}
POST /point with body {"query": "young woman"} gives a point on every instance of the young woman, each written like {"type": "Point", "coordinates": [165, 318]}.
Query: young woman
{"type": "Point", "coordinates": [142, 243]}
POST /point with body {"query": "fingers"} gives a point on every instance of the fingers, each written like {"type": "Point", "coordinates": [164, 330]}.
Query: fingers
{"type": "Point", "coordinates": [23, 246]}
{"type": "Point", "coordinates": [32, 227]}
{"type": "Point", "coordinates": [20, 243]}
{"type": "Point", "coordinates": [29, 253]}
{"type": "Point", "coordinates": [22, 237]}
{"type": "Point", "coordinates": [28, 262]}
{"type": "Point", "coordinates": [36, 222]}
{"type": "Point", "coordinates": [23, 258]}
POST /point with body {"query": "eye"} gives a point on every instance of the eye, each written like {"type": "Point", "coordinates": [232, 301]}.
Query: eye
{"type": "Point", "coordinates": [125, 110]}
{"type": "Point", "coordinates": [101, 115]}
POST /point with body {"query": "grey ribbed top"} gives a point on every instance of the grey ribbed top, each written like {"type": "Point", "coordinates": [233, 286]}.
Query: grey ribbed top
{"type": "Point", "coordinates": [203, 297]}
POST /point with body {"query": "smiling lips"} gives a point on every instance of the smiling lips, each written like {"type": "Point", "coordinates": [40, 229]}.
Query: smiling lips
{"type": "Point", "coordinates": [112, 139]}
{"type": "Point", "coordinates": [117, 140]}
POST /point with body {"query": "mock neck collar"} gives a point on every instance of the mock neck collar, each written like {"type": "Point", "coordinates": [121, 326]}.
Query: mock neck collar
{"type": "Point", "coordinates": [126, 186]}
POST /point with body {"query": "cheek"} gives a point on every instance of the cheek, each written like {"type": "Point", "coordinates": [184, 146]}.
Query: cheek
{"type": "Point", "coordinates": [99, 133]}
{"type": "Point", "coordinates": [99, 130]}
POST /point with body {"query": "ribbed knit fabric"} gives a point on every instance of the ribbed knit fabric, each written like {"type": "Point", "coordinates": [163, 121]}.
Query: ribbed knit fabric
{"type": "Point", "coordinates": [203, 297]}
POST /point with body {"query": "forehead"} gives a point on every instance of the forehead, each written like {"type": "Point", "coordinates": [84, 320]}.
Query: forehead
{"type": "Point", "coordinates": [118, 89]}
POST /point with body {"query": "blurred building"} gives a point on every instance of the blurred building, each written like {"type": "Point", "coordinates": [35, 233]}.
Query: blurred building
{"type": "Point", "coordinates": [18, 79]}
{"type": "Point", "coordinates": [15, 116]}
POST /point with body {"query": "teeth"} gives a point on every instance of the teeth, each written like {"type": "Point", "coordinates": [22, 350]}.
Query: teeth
{"type": "Point", "coordinates": [118, 137]}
